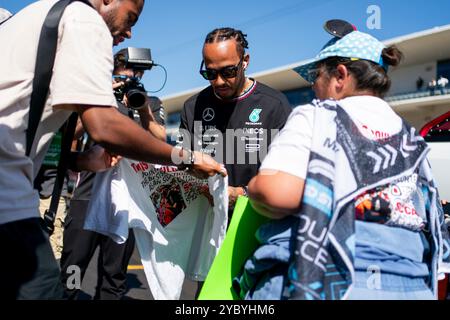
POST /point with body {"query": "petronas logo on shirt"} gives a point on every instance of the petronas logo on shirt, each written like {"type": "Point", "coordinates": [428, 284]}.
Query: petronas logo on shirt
{"type": "Point", "coordinates": [254, 116]}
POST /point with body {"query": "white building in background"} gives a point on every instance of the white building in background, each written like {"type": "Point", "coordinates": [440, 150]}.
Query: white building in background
{"type": "Point", "coordinates": [427, 56]}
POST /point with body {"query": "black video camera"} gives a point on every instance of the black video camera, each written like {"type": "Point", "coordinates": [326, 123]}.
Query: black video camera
{"type": "Point", "coordinates": [136, 59]}
{"type": "Point", "coordinates": [134, 91]}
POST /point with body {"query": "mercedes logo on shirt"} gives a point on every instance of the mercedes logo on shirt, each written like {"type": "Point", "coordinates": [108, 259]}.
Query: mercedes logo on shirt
{"type": "Point", "coordinates": [208, 114]}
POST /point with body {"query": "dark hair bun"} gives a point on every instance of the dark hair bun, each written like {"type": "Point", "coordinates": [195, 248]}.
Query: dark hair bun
{"type": "Point", "coordinates": [392, 56]}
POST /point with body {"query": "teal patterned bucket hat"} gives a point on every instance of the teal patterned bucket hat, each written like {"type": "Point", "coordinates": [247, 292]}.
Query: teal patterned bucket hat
{"type": "Point", "coordinates": [355, 45]}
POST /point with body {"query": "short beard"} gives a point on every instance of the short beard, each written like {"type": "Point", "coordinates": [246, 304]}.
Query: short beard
{"type": "Point", "coordinates": [109, 19]}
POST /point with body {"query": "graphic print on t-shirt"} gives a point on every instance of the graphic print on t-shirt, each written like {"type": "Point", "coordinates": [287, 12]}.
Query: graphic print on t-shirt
{"type": "Point", "coordinates": [170, 191]}
{"type": "Point", "coordinates": [168, 202]}
{"type": "Point", "coordinates": [392, 205]}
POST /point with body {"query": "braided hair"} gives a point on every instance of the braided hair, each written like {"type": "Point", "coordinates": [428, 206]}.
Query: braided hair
{"type": "Point", "coordinates": [223, 34]}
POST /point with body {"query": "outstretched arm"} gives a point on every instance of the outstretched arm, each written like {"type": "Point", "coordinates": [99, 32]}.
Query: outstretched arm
{"type": "Point", "coordinates": [120, 135]}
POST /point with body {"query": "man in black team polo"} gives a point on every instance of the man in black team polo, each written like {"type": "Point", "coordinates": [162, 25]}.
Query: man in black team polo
{"type": "Point", "coordinates": [234, 118]}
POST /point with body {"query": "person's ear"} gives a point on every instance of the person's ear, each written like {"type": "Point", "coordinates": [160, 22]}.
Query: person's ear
{"type": "Point", "coordinates": [107, 2]}
{"type": "Point", "coordinates": [342, 76]}
{"type": "Point", "coordinates": [345, 83]}
{"type": "Point", "coordinates": [246, 61]}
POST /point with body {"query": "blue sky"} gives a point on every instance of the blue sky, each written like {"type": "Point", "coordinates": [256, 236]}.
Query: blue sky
{"type": "Point", "coordinates": [279, 32]}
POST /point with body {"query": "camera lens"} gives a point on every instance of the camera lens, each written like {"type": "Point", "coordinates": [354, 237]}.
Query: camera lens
{"type": "Point", "coordinates": [136, 99]}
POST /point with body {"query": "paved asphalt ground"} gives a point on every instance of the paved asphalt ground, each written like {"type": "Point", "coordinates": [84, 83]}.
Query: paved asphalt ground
{"type": "Point", "coordinates": [137, 283]}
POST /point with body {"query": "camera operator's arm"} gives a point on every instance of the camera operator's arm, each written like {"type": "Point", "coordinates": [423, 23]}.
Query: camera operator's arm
{"type": "Point", "coordinates": [149, 122]}
{"type": "Point", "coordinates": [120, 135]}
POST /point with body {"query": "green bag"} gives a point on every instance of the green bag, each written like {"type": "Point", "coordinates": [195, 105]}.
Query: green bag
{"type": "Point", "coordinates": [54, 151]}
{"type": "Point", "coordinates": [238, 245]}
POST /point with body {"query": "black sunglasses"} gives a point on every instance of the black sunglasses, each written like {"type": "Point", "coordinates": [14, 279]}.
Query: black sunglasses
{"type": "Point", "coordinates": [225, 72]}
{"type": "Point", "coordinates": [313, 74]}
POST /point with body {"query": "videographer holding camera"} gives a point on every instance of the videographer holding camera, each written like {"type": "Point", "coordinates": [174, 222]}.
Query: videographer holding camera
{"type": "Point", "coordinates": [79, 244]}
{"type": "Point", "coordinates": [129, 90]}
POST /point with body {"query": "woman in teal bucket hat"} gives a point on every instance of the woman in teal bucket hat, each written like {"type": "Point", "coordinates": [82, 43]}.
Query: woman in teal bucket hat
{"type": "Point", "coordinates": [356, 214]}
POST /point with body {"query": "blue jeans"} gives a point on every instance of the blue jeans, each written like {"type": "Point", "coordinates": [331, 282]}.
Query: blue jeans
{"type": "Point", "coordinates": [389, 287]}
{"type": "Point", "coordinates": [264, 273]}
